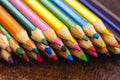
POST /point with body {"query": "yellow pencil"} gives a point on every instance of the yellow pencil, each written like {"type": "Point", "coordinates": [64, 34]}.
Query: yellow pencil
{"type": "Point", "coordinates": [56, 24]}
{"type": "Point", "coordinates": [110, 40]}
{"type": "Point", "coordinates": [90, 16]}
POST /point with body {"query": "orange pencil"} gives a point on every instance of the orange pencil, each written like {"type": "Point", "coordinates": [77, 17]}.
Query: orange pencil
{"type": "Point", "coordinates": [13, 27]}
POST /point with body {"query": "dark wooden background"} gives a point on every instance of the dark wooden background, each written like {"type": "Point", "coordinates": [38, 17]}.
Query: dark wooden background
{"type": "Point", "coordinates": [103, 68]}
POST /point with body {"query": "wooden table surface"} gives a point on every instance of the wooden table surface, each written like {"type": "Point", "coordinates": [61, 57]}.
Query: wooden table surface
{"type": "Point", "coordinates": [103, 68]}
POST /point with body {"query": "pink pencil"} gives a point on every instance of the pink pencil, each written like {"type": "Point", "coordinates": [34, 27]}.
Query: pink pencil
{"type": "Point", "coordinates": [37, 21]}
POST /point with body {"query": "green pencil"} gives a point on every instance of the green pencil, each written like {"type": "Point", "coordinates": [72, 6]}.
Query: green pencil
{"type": "Point", "coordinates": [75, 29]}
{"type": "Point", "coordinates": [25, 23]}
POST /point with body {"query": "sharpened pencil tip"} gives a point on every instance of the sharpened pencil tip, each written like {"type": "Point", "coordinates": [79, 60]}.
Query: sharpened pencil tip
{"type": "Point", "coordinates": [63, 48]}
{"type": "Point", "coordinates": [92, 48]}
{"type": "Point", "coordinates": [95, 35]}
{"type": "Point", "coordinates": [19, 51]}
{"type": "Point", "coordinates": [69, 57]}
{"type": "Point", "coordinates": [25, 57]}
{"type": "Point", "coordinates": [108, 54]}
{"type": "Point", "coordinates": [85, 38]}
{"type": "Point", "coordinates": [39, 58]}
{"type": "Point", "coordinates": [54, 57]}
{"type": "Point", "coordinates": [8, 49]}
{"type": "Point", "coordinates": [29, 43]}
{"type": "Point", "coordinates": [107, 32]}
{"type": "Point", "coordinates": [83, 57]}
{"type": "Point", "coordinates": [48, 50]}
{"type": "Point", "coordinates": [70, 38]}
{"type": "Point", "coordinates": [103, 45]}
{"type": "Point", "coordinates": [77, 47]}
{"type": "Point", "coordinates": [44, 41]}
{"type": "Point", "coordinates": [35, 50]}
{"type": "Point", "coordinates": [10, 60]}
{"type": "Point", "coordinates": [94, 54]}
{"type": "Point", "coordinates": [117, 45]}
{"type": "Point", "coordinates": [57, 42]}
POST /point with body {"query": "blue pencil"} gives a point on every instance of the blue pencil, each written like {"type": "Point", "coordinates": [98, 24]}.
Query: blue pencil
{"type": "Point", "coordinates": [87, 27]}
{"type": "Point", "coordinates": [115, 26]}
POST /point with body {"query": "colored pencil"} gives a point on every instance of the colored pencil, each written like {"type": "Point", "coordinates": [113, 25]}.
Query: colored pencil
{"type": "Point", "coordinates": [60, 29]}
{"type": "Point", "coordinates": [79, 54]}
{"type": "Point", "coordinates": [61, 48]}
{"type": "Point", "coordinates": [37, 21]}
{"type": "Point", "coordinates": [64, 55]}
{"type": "Point", "coordinates": [34, 56]}
{"type": "Point", "coordinates": [64, 52]}
{"type": "Point", "coordinates": [45, 48]}
{"type": "Point", "coordinates": [23, 56]}
{"type": "Point", "coordinates": [88, 46]}
{"type": "Point", "coordinates": [117, 36]}
{"type": "Point", "coordinates": [33, 49]}
{"type": "Point", "coordinates": [98, 42]}
{"type": "Point", "coordinates": [72, 45]}
{"type": "Point", "coordinates": [12, 42]}
{"type": "Point", "coordinates": [51, 56]}
{"type": "Point", "coordinates": [106, 10]}
{"type": "Point", "coordinates": [103, 51]}
{"type": "Point", "coordinates": [110, 40]}
{"type": "Point", "coordinates": [4, 42]}
{"type": "Point", "coordinates": [6, 56]}
{"type": "Point", "coordinates": [13, 27]}
{"type": "Point", "coordinates": [103, 16]}
{"type": "Point", "coordinates": [25, 23]}
{"type": "Point", "coordinates": [114, 50]}
{"type": "Point", "coordinates": [74, 28]}
{"type": "Point", "coordinates": [93, 19]}
{"type": "Point", "coordinates": [87, 27]}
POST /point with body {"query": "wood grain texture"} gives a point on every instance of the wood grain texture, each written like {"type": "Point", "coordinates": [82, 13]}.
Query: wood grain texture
{"type": "Point", "coordinates": [96, 69]}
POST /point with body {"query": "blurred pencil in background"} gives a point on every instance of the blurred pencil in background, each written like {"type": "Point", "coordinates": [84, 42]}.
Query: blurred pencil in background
{"type": "Point", "coordinates": [115, 26]}
{"type": "Point", "coordinates": [106, 10]}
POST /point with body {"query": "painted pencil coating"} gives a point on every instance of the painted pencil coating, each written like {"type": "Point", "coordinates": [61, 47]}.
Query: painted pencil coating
{"type": "Point", "coordinates": [13, 27]}
{"type": "Point", "coordinates": [115, 26]}
{"type": "Point", "coordinates": [61, 3]}
{"type": "Point", "coordinates": [57, 25]}
{"type": "Point", "coordinates": [86, 26]}
{"type": "Point", "coordinates": [93, 19]}
{"type": "Point", "coordinates": [75, 29]}
{"type": "Point", "coordinates": [36, 20]}
{"type": "Point", "coordinates": [12, 42]}
{"type": "Point", "coordinates": [24, 22]}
